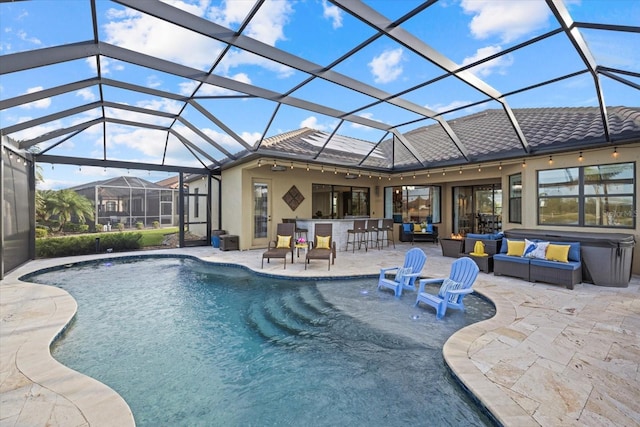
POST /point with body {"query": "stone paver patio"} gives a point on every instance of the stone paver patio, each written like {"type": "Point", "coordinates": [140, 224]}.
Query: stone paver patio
{"type": "Point", "coordinates": [549, 357]}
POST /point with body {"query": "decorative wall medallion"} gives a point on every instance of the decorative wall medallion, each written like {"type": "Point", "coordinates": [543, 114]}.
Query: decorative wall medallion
{"type": "Point", "coordinates": [293, 198]}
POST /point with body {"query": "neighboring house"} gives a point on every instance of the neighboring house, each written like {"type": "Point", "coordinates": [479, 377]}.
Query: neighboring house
{"type": "Point", "coordinates": [130, 200]}
{"type": "Point", "coordinates": [196, 206]}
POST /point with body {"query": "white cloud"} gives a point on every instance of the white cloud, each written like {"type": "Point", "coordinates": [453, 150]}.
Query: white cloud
{"type": "Point", "coordinates": [508, 20]}
{"type": "Point", "coordinates": [438, 108]}
{"type": "Point", "coordinates": [22, 35]}
{"type": "Point", "coordinates": [236, 58]}
{"type": "Point", "coordinates": [482, 70]}
{"type": "Point", "coordinates": [40, 104]}
{"type": "Point", "coordinates": [187, 88]}
{"type": "Point", "coordinates": [366, 116]}
{"type": "Point", "coordinates": [312, 123]}
{"type": "Point", "coordinates": [149, 142]}
{"type": "Point", "coordinates": [106, 65]}
{"type": "Point", "coordinates": [251, 137]}
{"type": "Point", "coordinates": [386, 66]}
{"type": "Point", "coordinates": [167, 105]}
{"type": "Point", "coordinates": [266, 26]}
{"type": "Point", "coordinates": [86, 94]}
{"type": "Point", "coordinates": [153, 81]}
{"type": "Point", "coordinates": [333, 13]}
{"type": "Point", "coordinates": [142, 33]}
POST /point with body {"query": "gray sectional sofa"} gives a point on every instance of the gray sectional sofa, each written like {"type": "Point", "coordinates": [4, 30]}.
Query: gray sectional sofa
{"type": "Point", "coordinates": [540, 270]}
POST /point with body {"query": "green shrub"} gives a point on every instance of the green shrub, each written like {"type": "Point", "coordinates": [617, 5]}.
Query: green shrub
{"type": "Point", "coordinates": [75, 228]}
{"type": "Point", "coordinates": [120, 226]}
{"type": "Point", "coordinates": [139, 225]}
{"type": "Point", "coordinates": [85, 245]}
{"type": "Point", "coordinates": [41, 232]}
{"type": "Point", "coordinates": [156, 224]}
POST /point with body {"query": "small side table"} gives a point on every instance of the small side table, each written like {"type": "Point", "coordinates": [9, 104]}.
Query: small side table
{"type": "Point", "coordinates": [485, 263]}
{"type": "Point", "coordinates": [304, 247]}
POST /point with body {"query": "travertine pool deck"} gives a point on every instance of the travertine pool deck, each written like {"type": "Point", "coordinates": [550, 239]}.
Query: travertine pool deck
{"type": "Point", "coordinates": [550, 356]}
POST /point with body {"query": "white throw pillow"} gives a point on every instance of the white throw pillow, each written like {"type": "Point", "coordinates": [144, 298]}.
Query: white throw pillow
{"type": "Point", "coordinates": [529, 247]}
{"type": "Point", "coordinates": [541, 250]}
{"type": "Point", "coordinates": [449, 285]}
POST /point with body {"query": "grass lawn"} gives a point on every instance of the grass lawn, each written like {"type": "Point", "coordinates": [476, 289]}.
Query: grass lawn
{"type": "Point", "coordinates": [154, 237]}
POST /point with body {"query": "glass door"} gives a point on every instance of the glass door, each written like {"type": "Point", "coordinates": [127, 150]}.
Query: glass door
{"type": "Point", "coordinates": [463, 210]}
{"type": "Point", "coordinates": [261, 212]}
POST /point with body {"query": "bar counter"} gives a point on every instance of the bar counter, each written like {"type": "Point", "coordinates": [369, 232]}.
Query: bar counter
{"type": "Point", "coordinates": [340, 227]}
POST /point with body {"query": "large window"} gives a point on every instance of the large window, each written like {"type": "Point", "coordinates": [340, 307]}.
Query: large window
{"type": "Point", "coordinates": [412, 203]}
{"type": "Point", "coordinates": [338, 201]}
{"type": "Point", "coordinates": [588, 196]}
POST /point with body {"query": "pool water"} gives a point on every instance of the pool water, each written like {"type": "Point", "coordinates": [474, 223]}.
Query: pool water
{"type": "Point", "coordinates": [189, 343]}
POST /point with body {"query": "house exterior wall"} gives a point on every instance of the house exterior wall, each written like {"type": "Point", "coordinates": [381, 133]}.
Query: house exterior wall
{"type": "Point", "coordinates": [238, 181]}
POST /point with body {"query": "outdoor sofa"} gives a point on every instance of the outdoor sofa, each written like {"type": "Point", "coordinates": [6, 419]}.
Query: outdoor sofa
{"type": "Point", "coordinates": [409, 233]}
{"type": "Point", "coordinates": [554, 262]}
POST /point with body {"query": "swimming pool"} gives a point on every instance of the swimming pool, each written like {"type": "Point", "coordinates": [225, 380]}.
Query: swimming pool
{"type": "Point", "coordinates": [191, 343]}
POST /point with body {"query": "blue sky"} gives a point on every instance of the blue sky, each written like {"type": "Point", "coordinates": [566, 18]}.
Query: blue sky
{"type": "Point", "coordinates": [464, 31]}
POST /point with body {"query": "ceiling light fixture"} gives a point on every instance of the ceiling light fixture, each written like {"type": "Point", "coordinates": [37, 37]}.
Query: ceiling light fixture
{"type": "Point", "coordinates": [443, 172]}
{"type": "Point", "coordinates": [335, 171]}
{"type": "Point", "coordinates": [428, 174]}
{"type": "Point", "coordinates": [307, 167]}
{"type": "Point", "coordinates": [479, 168]}
{"type": "Point", "coordinates": [460, 170]}
{"type": "Point", "coordinates": [401, 177]}
{"type": "Point", "coordinates": [500, 166]}
{"type": "Point", "coordinates": [580, 158]}
{"type": "Point", "coordinates": [291, 165]}
{"type": "Point", "coordinates": [615, 152]}
{"type": "Point", "coordinates": [322, 168]}
{"type": "Point", "coordinates": [524, 163]}
{"type": "Point", "coordinates": [550, 160]}
{"type": "Point", "coordinates": [259, 162]}
{"type": "Point", "coordinates": [414, 175]}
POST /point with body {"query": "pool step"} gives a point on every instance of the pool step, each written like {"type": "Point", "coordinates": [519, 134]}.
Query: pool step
{"type": "Point", "coordinates": [263, 325]}
{"type": "Point", "coordinates": [289, 317]}
{"type": "Point", "coordinates": [297, 307]}
{"type": "Point", "coordinates": [314, 300]}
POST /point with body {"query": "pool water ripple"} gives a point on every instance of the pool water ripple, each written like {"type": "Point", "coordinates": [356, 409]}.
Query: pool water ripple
{"type": "Point", "coordinates": [188, 343]}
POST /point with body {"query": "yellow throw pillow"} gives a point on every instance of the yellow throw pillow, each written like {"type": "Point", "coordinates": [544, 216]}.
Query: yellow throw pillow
{"type": "Point", "coordinates": [417, 228]}
{"type": "Point", "coordinates": [323, 242]}
{"type": "Point", "coordinates": [284, 242]}
{"type": "Point", "coordinates": [515, 248]}
{"type": "Point", "coordinates": [558, 252]}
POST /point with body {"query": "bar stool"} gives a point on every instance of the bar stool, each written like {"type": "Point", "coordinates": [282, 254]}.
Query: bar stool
{"type": "Point", "coordinates": [359, 233]}
{"type": "Point", "coordinates": [385, 233]}
{"type": "Point", "coordinates": [372, 232]}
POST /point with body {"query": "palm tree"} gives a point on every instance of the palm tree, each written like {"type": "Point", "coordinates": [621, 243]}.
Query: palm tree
{"type": "Point", "coordinates": [66, 204]}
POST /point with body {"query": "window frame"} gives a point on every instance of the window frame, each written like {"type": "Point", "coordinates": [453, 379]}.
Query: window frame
{"type": "Point", "coordinates": [390, 208]}
{"type": "Point", "coordinates": [515, 199]}
{"type": "Point", "coordinates": [582, 197]}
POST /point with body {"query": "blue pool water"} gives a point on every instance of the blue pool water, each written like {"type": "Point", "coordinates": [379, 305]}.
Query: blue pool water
{"type": "Point", "coordinates": [188, 343]}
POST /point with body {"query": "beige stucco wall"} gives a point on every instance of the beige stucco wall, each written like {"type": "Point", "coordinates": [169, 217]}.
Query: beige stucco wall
{"type": "Point", "coordinates": [237, 190]}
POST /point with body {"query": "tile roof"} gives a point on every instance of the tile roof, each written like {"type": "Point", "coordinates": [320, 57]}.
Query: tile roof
{"type": "Point", "coordinates": [485, 136]}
